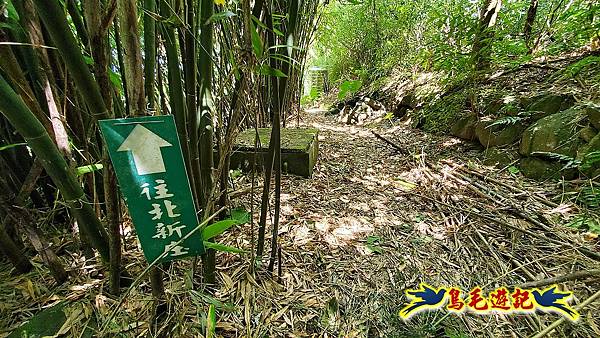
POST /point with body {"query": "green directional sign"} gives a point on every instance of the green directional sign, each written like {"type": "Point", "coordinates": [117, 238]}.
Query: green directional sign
{"type": "Point", "coordinates": [148, 161]}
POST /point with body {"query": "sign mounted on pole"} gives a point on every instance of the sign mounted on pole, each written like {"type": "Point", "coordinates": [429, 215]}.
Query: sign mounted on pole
{"type": "Point", "coordinates": [148, 162]}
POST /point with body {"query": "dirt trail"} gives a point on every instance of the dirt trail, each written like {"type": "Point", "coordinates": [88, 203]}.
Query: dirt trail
{"type": "Point", "coordinates": [372, 223]}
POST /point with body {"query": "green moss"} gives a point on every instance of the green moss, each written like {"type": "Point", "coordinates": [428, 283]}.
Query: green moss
{"type": "Point", "coordinates": [292, 139]}
{"type": "Point", "coordinates": [467, 97]}
{"type": "Point", "coordinates": [438, 117]}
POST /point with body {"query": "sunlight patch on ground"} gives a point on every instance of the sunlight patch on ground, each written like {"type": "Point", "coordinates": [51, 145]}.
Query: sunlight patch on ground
{"type": "Point", "coordinates": [374, 182]}
{"type": "Point", "coordinates": [352, 130]}
{"type": "Point", "coordinates": [451, 142]}
{"type": "Point", "coordinates": [414, 175]}
{"type": "Point", "coordinates": [563, 209]}
{"type": "Point", "coordinates": [302, 234]}
{"type": "Point", "coordinates": [340, 231]}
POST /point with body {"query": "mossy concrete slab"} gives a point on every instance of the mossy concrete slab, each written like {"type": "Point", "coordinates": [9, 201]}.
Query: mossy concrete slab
{"type": "Point", "coordinates": [299, 150]}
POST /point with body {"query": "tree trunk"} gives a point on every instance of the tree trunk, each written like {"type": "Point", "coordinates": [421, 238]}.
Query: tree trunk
{"type": "Point", "coordinates": [485, 33]}
{"type": "Point", "coordinates": [529, 21]}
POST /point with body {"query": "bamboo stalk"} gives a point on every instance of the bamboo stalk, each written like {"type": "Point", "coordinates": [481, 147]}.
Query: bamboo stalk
{"type": "Point", "coordinates": [40, 244]}
{"type": "Point", "coordinates": [276, 138]}
{"type": "Point", "coordinates": [190, 69]}
{"type": "Point", "coordinates": [98, 31]}
{"type": "Point", "coordinates": [28, 225]}
{"type": "Point", "coordinates": [15, 110]}
{"type": "Point", "coordinates": [121, 62]}
{"type": "Point", "coordinates": [149, 52]}
{"type": "Point", "coordinates": [10, 65]}
{"type": "Point", "coordinates": [175, 87]}
{"type": "Point", "coordinates": [75, 15]}
{"type": "Point", "coordinates": [56, 23]}
{"type": "Point", "coordinates": [205, 67]}
{"type": "Point", "coordinates": [127, 12]}
{"type": "Point", "coordinates": [8, 246]}
{"type": "Point", "coordinates": [561, 279]}
{"type": "Point", "coordinates": [13, 253]}
{"type": "Point", "coordinates": [27, 58]}
{"type": "Point", "coordinates": [46, 83]}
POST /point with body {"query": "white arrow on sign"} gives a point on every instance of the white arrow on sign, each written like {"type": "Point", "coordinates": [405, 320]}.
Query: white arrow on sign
{"type": "Point", "coordinates": [145, 148]}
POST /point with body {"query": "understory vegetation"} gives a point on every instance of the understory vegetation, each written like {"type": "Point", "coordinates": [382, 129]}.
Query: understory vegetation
{"type": "Point", "coordinates": [367, 40]}
{"type": "Point", "coordinates": [217, 67]}
{"type": "Point", "coordinates": [480, 70]}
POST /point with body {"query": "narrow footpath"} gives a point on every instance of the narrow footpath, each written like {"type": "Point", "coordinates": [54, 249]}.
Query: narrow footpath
{"type": "Point", "coordinates": [375, 221]}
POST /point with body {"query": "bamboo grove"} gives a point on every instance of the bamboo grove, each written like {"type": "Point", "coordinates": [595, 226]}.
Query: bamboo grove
{"type": "Point", "coordinates": [217, 66]}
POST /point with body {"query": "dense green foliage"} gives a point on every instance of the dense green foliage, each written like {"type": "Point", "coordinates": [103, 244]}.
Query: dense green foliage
{"type": "Point", "coordinates": [366, 39]}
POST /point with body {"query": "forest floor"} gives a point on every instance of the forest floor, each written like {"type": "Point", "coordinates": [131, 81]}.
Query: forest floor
{"type": "Point", "coordinates": [375, 221]}
{"type": "Point", "coordinates": [372, 222]}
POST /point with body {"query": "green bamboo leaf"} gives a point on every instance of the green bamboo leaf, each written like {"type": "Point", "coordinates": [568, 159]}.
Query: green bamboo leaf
{"type": "Point", "coordinates": [211, 322]}
{"type": "Point", "coordinates": [237, 216]}
{"type": "Point", "coordinates": [259, 23]}
{"type": "Point", "coordinates": [220, 16]}
{"type": "Point", "coordinates": [10, 26]}
{"type": "Point", "coordinates": [285, 58]}
{"type": "Point", "coordinates": [8, 146]}
{"type": "Point", "coordinates": [270, 71]}
{"type": "Point", "coordinates": [240, 215]}
{"type": "Point", "coordinates": [200, 298]}
{"type": "Point", "coordinates": [88, 169]}
{"type": "Point", "coordinates": [286, 46]}
{"type": "Point", "coordinates": [88, 60]}
{"type": "Point", "coordinates": [217, 228]}
{"type": "Point", "coordinates": [349, 87]}
{"type": "Point", "coordinates": [257, 43]}
{"type": "Point", "coordinates": [223, 248]}
{"type": "Point", "coordinates": [115, 79]}
{"type": "Point", "coordinates": [174, 21]}
{"type": "Point", "coordinates": [11, 11]}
